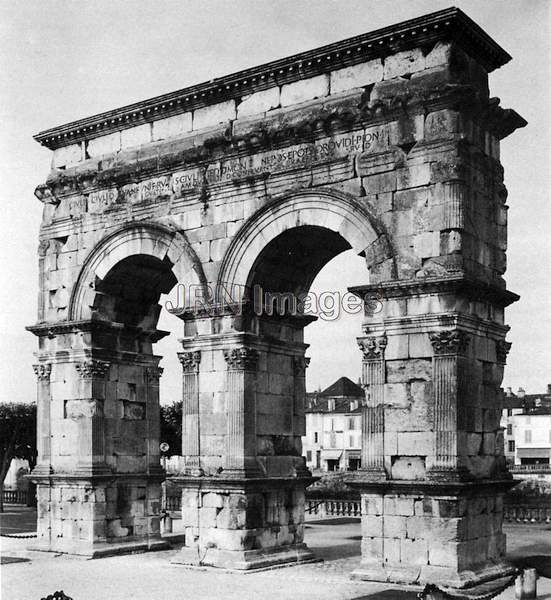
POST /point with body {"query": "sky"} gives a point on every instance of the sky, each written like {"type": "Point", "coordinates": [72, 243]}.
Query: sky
{"type": "Point", "coordinates": [61, 60]}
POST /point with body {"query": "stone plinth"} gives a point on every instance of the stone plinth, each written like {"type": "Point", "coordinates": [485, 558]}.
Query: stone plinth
{"type": "Point", "coordinates": [417, 533]}
{"type": "Point", "coordinates": [98, 476]}
{"type": "Point", "coordinates": [243, 525]}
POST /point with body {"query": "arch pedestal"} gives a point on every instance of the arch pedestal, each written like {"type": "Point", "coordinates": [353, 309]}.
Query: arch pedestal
{"type": "Point", "coordinates": [98, 476]}
{"type": "Point", "coordinates": [244, 479]}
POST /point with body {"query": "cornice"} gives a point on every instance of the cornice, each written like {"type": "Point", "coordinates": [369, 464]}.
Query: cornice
{"type": "Point", "coordinates": [450, 24]}
{"type": "Point", "coordinates": [460, 284]}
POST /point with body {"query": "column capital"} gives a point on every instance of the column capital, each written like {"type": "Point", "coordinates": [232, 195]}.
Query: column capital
{"type": "Point", "coordinates": [153, 373]}
{"type": "Point", "coordinates": [241, 359]}
{"type": "Point", "coordinates": [373, 348]}
{"type": "Point", "coordinates": [502, 349]}
{"type": "Point", "coordinates": [190, 361]}
{"type": "Point", "coordinates": [92, 368]}
{"type": "Point", "coordinates": [43, 371]}
{"type": "Point", "coordinates": [449, 342]}
{"type": "Point", "coordinates": [300, 364]}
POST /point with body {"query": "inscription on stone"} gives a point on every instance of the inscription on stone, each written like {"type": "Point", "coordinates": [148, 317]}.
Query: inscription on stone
{"type": "Point", "coordinates": [371, 140]}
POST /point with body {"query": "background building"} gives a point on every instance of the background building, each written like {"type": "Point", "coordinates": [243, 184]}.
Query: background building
{"type": "Point", "coordinates": [526, 421]}
{"type": "Point", "coordinates": [333, 427]}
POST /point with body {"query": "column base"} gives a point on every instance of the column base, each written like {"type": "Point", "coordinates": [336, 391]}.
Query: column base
{"type": "Point", "coordinates": [442, 576]}
{"type": "Point", "coordinates": [101, 550]}
{"type": "Point", "coordinates": [246, 560]}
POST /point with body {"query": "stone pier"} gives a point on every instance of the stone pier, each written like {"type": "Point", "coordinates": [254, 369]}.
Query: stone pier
{"type": "Point", "coordinates": [232, 195]}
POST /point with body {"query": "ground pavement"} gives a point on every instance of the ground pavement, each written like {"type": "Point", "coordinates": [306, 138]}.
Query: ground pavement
{"type": "Point", "coordinates": [151, 576]}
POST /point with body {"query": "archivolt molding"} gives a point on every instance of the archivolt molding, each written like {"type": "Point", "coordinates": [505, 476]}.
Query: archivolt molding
{"type": "Point", "coordinates": [145, 238]}
{"type": "Point", "coordinates": [331, 209]}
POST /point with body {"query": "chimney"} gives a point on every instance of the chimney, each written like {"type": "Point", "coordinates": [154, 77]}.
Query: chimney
{"type": "Point", "coordinates": [508, 391]}
{"type": "Point", "coordinates": [549, 388]}
{"type": "Point", "coordinates": [521, 393]}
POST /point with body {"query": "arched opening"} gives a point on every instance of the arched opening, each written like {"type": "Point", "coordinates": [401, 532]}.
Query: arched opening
{"type": "Point", "coordinates": [301, 278]}
{"type": "Point", "coordinates": [291, 261]}
{"type": "Point", "coordinates": [130, 291]}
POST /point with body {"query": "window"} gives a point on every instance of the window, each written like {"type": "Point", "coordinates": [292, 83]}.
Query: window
{"type": "Point", "coordinates": [351, 441]}
{"type": "Point", "coordinates": [352, 423]}
{"type": "Point", "coordinates": [511, 445]}
{"type": "Point", "coordinates": [509, 412]}
{"type": "Point", "coordinates": [308, 455]}
{"type": "Point", "coordinates": [332, 424]}
{"type": "Point", "coordinates": [332, 440]}
{"type": "Point", "coordinates": [509, 429]}
{"type": "Point", "coordinates": [527, 436]}
{"type": "Point", "coordinates": [315, 437]}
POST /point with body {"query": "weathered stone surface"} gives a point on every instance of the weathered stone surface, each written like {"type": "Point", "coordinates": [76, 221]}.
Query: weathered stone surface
{"type": "Point", "coordinates": [248, 183]}
{"type": "Point", "coordinates": [356, 76]}
{"type": "Point", "coordinates": [307, 89]}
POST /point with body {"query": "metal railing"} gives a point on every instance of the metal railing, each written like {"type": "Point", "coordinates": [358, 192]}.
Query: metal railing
{"type": "Point", "coordinates": [14, 496]}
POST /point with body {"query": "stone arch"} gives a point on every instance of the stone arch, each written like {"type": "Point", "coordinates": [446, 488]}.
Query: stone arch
{"type": "Point", "coordinates": [332, 210]}
{"type": "Point", "coordinates": [147, 239]}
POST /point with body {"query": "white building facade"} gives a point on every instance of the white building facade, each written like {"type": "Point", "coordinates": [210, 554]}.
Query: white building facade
{"type": "Point", "coordinates": [333, 428]}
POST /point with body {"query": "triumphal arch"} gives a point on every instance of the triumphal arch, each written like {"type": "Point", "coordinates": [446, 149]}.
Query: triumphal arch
{"type": "Point", "coordinates": [386, 143]}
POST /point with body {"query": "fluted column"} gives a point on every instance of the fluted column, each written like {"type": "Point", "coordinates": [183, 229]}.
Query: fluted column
{"type": "Point", "coordinates": [191, 448]}
{"type": "Point", "coordinates": [152, 376]}
{"type": "Point", "coordinates": [87, 410]}
{"type": "Point", "coordinates": [373, 422]}
{"type": "Point", "coordinates": [43, 419]}
{"type": "Point", "coordinates": [447, 347]}
{"type": "Point", "coordinates": [241, 410]}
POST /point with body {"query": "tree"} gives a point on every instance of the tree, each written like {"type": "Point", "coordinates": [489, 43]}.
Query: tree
{"type": "Point", "coordinates": [17, 437]}
{"type": "Point", "coordinates": [171, 427]}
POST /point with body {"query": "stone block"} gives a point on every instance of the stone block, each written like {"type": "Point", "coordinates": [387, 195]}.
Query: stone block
{"type": "Point", "coordinates": [213, 500]}
{"type": "Point", "coordinates": [397, 347]}
{"type": "Point", "coordinates": [403, 63]}
{"type": "Point", "coordinates": [394, 526]}
{"type": "Point", "coordinates": [408, 468]}
{"type": "Point", "coordinates": [372, 504]}
{"type": "Point", "coordinates": [305, 89]}
{"type": "Point", "coordinates": [415, 443]}
{"type": "Point", "coordinates": [372, 526]}
{"type": "Point", "coordinates": [405, 371]}
{"type": "Point", "coordinates": [67, 156]}
{"type": "Point", "coordinates": [427, 244]}
{"type": "Point", "coordinates": [258, 102]}
{"type": "Point", "coordinates": [391, 551]}
{"type": "Point", "coordinates": [356, 76]}
{"type": "Point", "coordinates": [172, 126]}
{"type": "Point", "coordinates": [372, 550]}
{"type": "Point", "coordinates": [397, 394]}
{"type": "Point", "coordinates": [419, 345]}
{"type": "Point", "coordinates": [106, 144]}
{"type": "Point", "coordinates": [212, 115]}
{"type": "Point", "coordinates": [136, 136]}
{"type": "Point", "coordinates": [414, 552]}
{"type": "Point", "coordinates": [439, 55]}
{"type": "Point", "coordinates": [443, 554]}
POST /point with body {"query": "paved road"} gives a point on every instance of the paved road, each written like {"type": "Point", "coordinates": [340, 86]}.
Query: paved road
{"type": "Point", "coordinates": [152, 577]}
{"type": "Point", "coordinates": [17, 518]}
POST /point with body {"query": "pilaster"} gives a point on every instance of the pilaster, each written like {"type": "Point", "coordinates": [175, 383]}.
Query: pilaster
{"type": "Point", "coordinates": [241, 409]}
{"type": "Point", "coordinates": [448, 372]}
{"type": "Point", "coordinates": [43, 419]}
{"type": "Point", "coordinates": [373, 417]}
{"type": "Point", "coordinates": [191, 448]}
